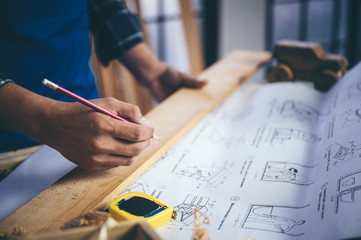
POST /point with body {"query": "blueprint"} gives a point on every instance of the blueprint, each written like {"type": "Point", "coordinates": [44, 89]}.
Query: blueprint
{"type": "Point", "coordinates": [280, 161]}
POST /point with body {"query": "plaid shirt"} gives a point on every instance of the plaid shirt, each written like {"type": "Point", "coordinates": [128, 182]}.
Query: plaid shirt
{"type": "Point", "coordinates": [114, 27]}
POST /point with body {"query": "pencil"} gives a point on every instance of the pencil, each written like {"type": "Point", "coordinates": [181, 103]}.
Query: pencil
{"type": "Point", "coordinates": [57, 88]}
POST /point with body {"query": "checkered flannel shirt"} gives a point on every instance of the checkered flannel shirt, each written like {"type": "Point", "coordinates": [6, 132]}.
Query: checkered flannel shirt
{"type": "Point", "coordinates": [114, 27]}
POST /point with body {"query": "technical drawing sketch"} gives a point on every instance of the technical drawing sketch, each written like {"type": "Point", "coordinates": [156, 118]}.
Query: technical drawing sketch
{"type": "Point", "coordinates": [352, 116]}
{"type": "Point", "coordinates": [185, 210]}
{"type": "Point", "coordinates": [201, 174]}
{"type": "Point", "coordinates": [347, 188]}
{"type": "Point", "coordinates": [288, 172]}
{"type": "Point", "coordinates": [300, 111]}
{"type": "Point", "coordinates": [344, 153]}
{"type": "Point", "coordinates": [281, 135]}
{"type": "Point", "coordinates": [280, 219]}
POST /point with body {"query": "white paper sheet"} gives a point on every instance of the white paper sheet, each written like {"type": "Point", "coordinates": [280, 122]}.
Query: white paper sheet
{"type": "Point", "coordinates": [279, 162]}
{"type": "Point", "coordinates": [31, 177]}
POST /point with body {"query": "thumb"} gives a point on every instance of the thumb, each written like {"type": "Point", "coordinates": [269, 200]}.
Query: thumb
{"type": "Point", "coordinates": [191, 81]}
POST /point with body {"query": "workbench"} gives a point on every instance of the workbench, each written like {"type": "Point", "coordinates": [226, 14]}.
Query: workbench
{"type": "Point", "coordinates": [79, 191]}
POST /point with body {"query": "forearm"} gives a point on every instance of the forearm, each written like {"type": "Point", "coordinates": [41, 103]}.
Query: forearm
{"type": "Point", "coordinates": [143, 64]}
{"type": "Point", "coordinates": [22, 111]}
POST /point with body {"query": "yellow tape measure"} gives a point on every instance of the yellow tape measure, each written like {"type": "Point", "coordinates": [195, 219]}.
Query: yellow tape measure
{"type": "Point", "coordinates": [138, 205]}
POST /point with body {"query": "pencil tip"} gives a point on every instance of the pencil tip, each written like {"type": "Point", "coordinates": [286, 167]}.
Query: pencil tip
{"type": "Point", "coordinates": [156, 137]}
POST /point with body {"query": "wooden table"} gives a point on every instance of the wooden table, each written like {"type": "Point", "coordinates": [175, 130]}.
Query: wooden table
{"type": "Point", "coordinates": [80, 191]}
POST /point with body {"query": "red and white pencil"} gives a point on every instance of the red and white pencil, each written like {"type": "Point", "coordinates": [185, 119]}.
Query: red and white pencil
{"type": "Point", "coordinates": [57, 88]}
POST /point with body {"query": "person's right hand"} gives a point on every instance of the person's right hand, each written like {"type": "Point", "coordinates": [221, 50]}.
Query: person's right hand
{"type": "Point", "coordinates": [94, 140]}
{"type": "Point", "coordinates": [88, 138]}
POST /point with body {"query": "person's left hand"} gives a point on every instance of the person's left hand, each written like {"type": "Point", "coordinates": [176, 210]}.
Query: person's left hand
{"type": "Point", "coordinates": [170, 80]}
{"type": "Point", "coordinates": [160, 78]}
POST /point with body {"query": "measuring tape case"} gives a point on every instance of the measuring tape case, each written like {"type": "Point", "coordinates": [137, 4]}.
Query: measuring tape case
{"type": "Point", "coordinates": [141, 206]}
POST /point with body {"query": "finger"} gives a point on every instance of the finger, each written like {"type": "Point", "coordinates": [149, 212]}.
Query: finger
{"type": "Point", "coordinates": [117, 160]}
{"type": "Point", "coordinates": [130, 112]}
{"type": "Point", "coordinates": [175, 78]}
{"type": "Point", "coordinates": [131, 131]}
{"type": "Point", "coordinates": [109, 161]}
{"type": "Point", "coordinates": [126, 148]}
{"type": "Point", "coordinates": [114, 160]}
{"type": "Point", "coordinates": [125, 110]}
{"type": "Point", "coordinates": [193, 82]}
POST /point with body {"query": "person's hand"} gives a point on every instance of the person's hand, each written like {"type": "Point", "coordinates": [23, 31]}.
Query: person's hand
{"type": "Point", "coordinates": [94, 140]}
{"type": "Point", "coordinates": [161, 79]}
{"type": "Point", "coordinates": [171, 80]}
{"type": "Point", "coordinates": [88, 138]}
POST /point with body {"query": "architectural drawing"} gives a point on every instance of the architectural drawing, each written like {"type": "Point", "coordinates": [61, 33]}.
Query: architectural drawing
{"type": "Point", "coordinates": [201, 174]}
{"type": "Point", "coordinates": [281, 135]}
{"type": "Point", "coordinates": [352, 116]}
{"type": "Point", "coordinates": [288, 172]}
{"type": "Point", "coordinates": [281, 219]}
{"type": "Point", "coordinates": [185, 210]}
{"type": "Point", "coordinates": [261, 187]}
{"type": "Point", "coordinates": [348, 190]}
{"type": "Point", "coordinates": [345, 153]}
{"type": "Point", "coordinates": [300, 111]}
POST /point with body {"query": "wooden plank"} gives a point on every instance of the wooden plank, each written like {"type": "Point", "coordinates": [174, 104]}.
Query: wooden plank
{"type": "Point", "coordinates": [9, 160]}
{"type": "Point", "coordinates": [193, 39]}
{"type": "Point", "coordinates": [137, 230]}
{"type": "Point", "coordinates": [80, 191]}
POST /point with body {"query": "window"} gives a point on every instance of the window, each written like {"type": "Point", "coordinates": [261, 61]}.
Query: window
{"type": "Point", "coordinates": [164, 27]}
{"type": "Point", "coordinates": [335, 24]}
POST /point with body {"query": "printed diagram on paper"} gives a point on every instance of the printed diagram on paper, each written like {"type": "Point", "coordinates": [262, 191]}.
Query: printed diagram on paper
{"type": "Point", "coordinates": [279, 219]}
{"type": "Point", "coordinates": [348, 190]}
{"type": "Point", "coordinates": [352, 116]}
{"type": "Point", "coordinates": [298, 110]}
{"type": "Point", "coordinates": [341, 153]}
{"type": "Point", "coordinates": [185, 210]}
{"type": "Point", "coordinates": [280, 161]}
{"type": "Point", "coordinates": [288, 172]}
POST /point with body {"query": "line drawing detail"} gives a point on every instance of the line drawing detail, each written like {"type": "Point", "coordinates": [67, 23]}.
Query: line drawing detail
{"type": "Point", "coordinates": [288, 172]}
{"type": "Point", "coordinates": [280, 219]}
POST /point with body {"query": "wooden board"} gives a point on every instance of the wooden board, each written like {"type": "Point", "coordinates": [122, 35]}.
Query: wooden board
{"type": "Point", "coordinates": [193, 39]}
{"type": "Point", "coordinates": [136, 230]}
{"type": "Point", "coordinates": [9, 160]}
{"type": "Point", "coordinates": [80, 191]}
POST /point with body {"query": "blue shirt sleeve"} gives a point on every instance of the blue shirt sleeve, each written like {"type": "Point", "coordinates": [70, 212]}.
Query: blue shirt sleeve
{"type": "Point", "coordinates": [114, 27]}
